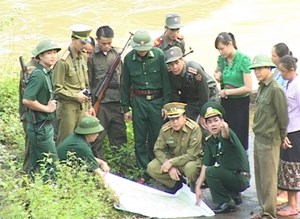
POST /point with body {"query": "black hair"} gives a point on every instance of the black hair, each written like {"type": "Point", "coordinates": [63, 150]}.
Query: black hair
{"type": "Point", "coordinates": [288, 62]}
{"type": "Point", "coordinates": [220, 116]}
{"type": "Point", "coordinates": [225, 38]}
{"type": "Point", "coordinates": [282, 49]}
{"type": "Point", "coordinates": [105, 31]}
{"type": "Point", "coordinates": [92, 41]}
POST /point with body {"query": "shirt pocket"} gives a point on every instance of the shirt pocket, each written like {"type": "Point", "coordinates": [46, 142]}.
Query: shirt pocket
{"type": "Point", "coordinates": [100, 72]}
{"type": "Point", "coordinates": [72, 76]}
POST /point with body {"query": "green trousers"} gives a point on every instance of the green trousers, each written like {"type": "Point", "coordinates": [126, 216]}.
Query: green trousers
{"type": "Point", "coordinates": [147, 121]}
{"type": "Point", "coordinates": [190, 170]}
{"type": "Point", "coordinates": [266, 162]}
{"type": "Point", "coordinates": [223, 182]}
{"type": "Point", "coordinates": [26, 162]}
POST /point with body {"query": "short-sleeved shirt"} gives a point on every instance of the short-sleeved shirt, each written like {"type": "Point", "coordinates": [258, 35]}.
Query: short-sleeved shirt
{"type": "Point", "coordinates": [39, 88]}
{"type": "Point", "coordinates": [77, 144]}
{"type": "Point", "coordinates": [232, 75]}
{"type": "Point", "coordinates": [228, 153]}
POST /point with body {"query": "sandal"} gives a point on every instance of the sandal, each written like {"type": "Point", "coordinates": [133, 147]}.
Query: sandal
{"type": "Point", "coordinates": [285, 212]}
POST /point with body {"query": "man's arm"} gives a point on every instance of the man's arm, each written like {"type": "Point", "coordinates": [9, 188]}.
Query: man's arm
{"type": "Point", "coordinates": [200, 181]}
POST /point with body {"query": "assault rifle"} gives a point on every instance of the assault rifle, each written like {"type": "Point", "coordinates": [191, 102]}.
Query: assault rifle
{"type": "Point", "coordinates": [100, 93]}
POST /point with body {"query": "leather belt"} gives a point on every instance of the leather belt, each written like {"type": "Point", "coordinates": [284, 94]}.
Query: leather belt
{"type": "Point", "coordinates": [243, 173]}
{"type": "Point", "coordinates": [148, 94]}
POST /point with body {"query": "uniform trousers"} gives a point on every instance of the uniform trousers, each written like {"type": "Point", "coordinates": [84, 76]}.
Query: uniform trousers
{"type": "Point", "coordinates": [222, 182]}
{"type": "Point", "coordinates": [26, 162]}
{"type": "Point", "coordinates": [266, 161]}
{"type": "Point", "coordinates": [191, 170]}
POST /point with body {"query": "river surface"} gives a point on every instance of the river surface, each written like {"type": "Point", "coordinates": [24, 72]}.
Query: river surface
{"type": "Point", "coordinates": [256, 24]}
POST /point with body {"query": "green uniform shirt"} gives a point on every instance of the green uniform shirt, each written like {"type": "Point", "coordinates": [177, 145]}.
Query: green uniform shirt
{"type": "Point", "coordinates": [271, 115]}
{"type": "Point", "coordinates": [76, 143]}
{"type": "Point", "coordinates": [39, 88]}
{"type": "Point", "coordinates": [182, 146]}
{"type": "Point", "coordinates": [99, 64]}
{"type": "Point", "coordinates": [232, 75]}
{"type": "Point", "coordinates": [145, 73]}
{"type": "Point", "coordinates": [70, 75]}
{"type": "Point", "coordinates": [228, 153]}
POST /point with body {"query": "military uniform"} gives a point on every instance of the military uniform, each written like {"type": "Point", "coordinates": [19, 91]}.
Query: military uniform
{"type": "Point", "coordinates": [148, 78]}
{"type": "Point", "coordinates": [182, 146]}
{"type": "Point", "coordinates": [110, 113]}
{"type": "Point", "coordinates": [70, 77]}
{"type": "Point", "coordinates": [173, 21]}
{"type": "Point", "coordinates": [39, 124]}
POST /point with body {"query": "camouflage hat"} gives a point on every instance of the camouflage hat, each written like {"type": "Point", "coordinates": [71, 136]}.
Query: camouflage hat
{"type": "Point", "coordinates": [174, 109]}
{"type": "Point", "coordinates": [173, 21]}
{"type": "Point", "coordinates": [89, 125]}
{"type": "Point", "coordinates": [141, 41]}
{"type": "Point", "coordinates": [262, 60]}
{"type": "Point", "coordinates": [212, 108]}
{"type": "Point", "coordinates": [81, 31]}
{"type": "Point", "coordinates": [173, 54]}
{"type": "Point", "coordinates": [45, 45]}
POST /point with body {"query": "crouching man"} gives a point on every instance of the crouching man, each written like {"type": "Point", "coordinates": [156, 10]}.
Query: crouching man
{"type": "Point", "coordinates": [225, 163]}
{"type": "Point", "coordinates": [79, 143]}
{"type": "Point", "coordinates": [177, 150]}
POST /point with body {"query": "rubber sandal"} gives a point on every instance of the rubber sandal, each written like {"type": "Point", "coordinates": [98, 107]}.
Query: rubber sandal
{"type": "Point", "coordinates": [286, 212]}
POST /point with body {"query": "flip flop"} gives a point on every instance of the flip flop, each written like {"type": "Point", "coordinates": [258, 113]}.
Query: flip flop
{"type": "Point", "coordinates": [286, 212]}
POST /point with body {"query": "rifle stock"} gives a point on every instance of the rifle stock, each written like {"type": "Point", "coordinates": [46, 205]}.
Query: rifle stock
{"type": "Point", "coordinates": [23, 69]}
{"type": "Point", "coordinates": [100, 93]}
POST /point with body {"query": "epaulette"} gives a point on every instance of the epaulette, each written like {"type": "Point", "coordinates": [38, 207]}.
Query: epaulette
{"type": "Point", "coordinates": [166, 126]}
{"type": "Point", "coordinates": [192, 70]}
{"type": "Point", "coordinates": [158, 42]}
{"type": "Point", "coordinates": [65, 55]}
{"type": "Point", "coordinates": [190, 124]}
{"type": "Point", "coordinates": [208, 137]}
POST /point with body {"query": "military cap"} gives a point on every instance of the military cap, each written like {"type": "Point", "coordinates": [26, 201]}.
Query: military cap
{"type": "Point", "coordinates": [81, 31]}
{"type": "Point", "coordinates": [141, 41]}
{"type": "Point", "coordinates": [89, 125]}
{"type": "Point", "coordinates": [173, 21]}
{"type": "Point", "coordinates": [212, 108]}
{"type": "Point", "coordinates": [173, 54]}
{"type": "Point", "coordinates": [262, 60]}
{"type": "Point", "coordinates": [45, 45]}
{"type": "Point", "coordinates": [174, 109]}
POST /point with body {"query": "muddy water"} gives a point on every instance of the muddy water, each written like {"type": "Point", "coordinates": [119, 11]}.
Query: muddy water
{"type": "Point", "coordinates": [256, 24]}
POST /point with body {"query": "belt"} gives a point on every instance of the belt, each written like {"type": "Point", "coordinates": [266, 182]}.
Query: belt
{"type": "Point", "coordinates": [148, 94]}
{"type": "Point", "coordinates": [243, 173]}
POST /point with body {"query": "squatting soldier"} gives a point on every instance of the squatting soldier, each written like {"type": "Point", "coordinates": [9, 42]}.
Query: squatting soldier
{"type": "Point", "coordinates": [177, 150]}
{"type": "Point", "coordinates": [171, 36]}
{"type": "Point", "coordinates": [188, 82]}
{"type": "Point", "coordinates": [71, 83]}
{"type": "Point", "coordinates": [38, 97]}
{"type": "Point", "coordinates": [146, 73]}
{"type": "Point", "coordinates": [110, 113]}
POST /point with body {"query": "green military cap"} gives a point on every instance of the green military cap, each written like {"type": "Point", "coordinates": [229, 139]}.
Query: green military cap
{"type": "Point", "coordinates": [262, 60]}
{"type": "Point", "coordinates": [89, 125]}
{"type": "Point", "coordinates": [45, 45]}
{"type": "Point", "coordinates": [174, 109]}
{"type": "Point", "coordinates": [141, 41]}
{"type": "Point", "coordinates": [81, 31]}
{"type": "Point", "coordinates": [212, 108]}
{"type": "Point", "coordinates": [173, 21]}
{"type": "Point", "coordinates": [173, 54]}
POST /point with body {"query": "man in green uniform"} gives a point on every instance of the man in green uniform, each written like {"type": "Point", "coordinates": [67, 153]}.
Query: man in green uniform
{"type": "Point", "coordinates": [177, 150]}
{"type": "Point", "coordinates": [225, 163]}
{"type": "Point", "coordinates": [71, 83]}
{"type": "Point", "coordinates": [171, 36]}
{"type": "Point", "coordinates": [38, 97]}
{"type": "Point", "coordinates": [110, 113]}
{"type": "Point", "coordinates": [188, 82]}
{"type": "Point", "coordinates": [79, 144]}
{"type": "Point", "coordinates": [270, 128]}
{"type": "Point", "coordinates": [146, 73]}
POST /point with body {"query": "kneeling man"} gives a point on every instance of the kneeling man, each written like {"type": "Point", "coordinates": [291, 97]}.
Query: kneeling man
{"type": "Point", "coordinates": [177, 150]}
{"type": "Point", "coordinates": [225, 163]}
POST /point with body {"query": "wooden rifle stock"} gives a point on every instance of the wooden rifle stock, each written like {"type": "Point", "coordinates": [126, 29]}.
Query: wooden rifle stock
{"type": "Point", "coordinates": [24, 70]}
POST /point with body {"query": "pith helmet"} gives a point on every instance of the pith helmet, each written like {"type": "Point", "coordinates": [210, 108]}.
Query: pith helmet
{"type": "Point", "coordinates": [173, 54]}
{"type": "Point", "coordinates": [81, 31]}
{"type": "Point", "coordinates": [212, 108]}
{"type": "Point", "coordinates": [89, 125]}
{"type": "Point", "coordinates": [141, 41]}
{"type": "Point", "coordinates": [174, 109]}
{"type": "Point", "coordinates": [44, 46]}
{"type": "Point", "coordinates": [173, 21]}
{"type": "Point", "coordinates": [262, 60]}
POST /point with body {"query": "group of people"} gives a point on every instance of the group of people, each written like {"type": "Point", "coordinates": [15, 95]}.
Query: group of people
{"type": "Point", "coordinates": [186, 129]}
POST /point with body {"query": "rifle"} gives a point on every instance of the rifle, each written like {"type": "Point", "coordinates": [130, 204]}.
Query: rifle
{"type": "Point", "coordinates": [100, 93]}
{"type": "Point", "coordinates": [23, 70]}
{"type": "Point", "coordinates": [191, 51]}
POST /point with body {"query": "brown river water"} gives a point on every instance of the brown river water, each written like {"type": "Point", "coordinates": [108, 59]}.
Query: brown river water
{"type": "Point", "coordinates": [256, 24]}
